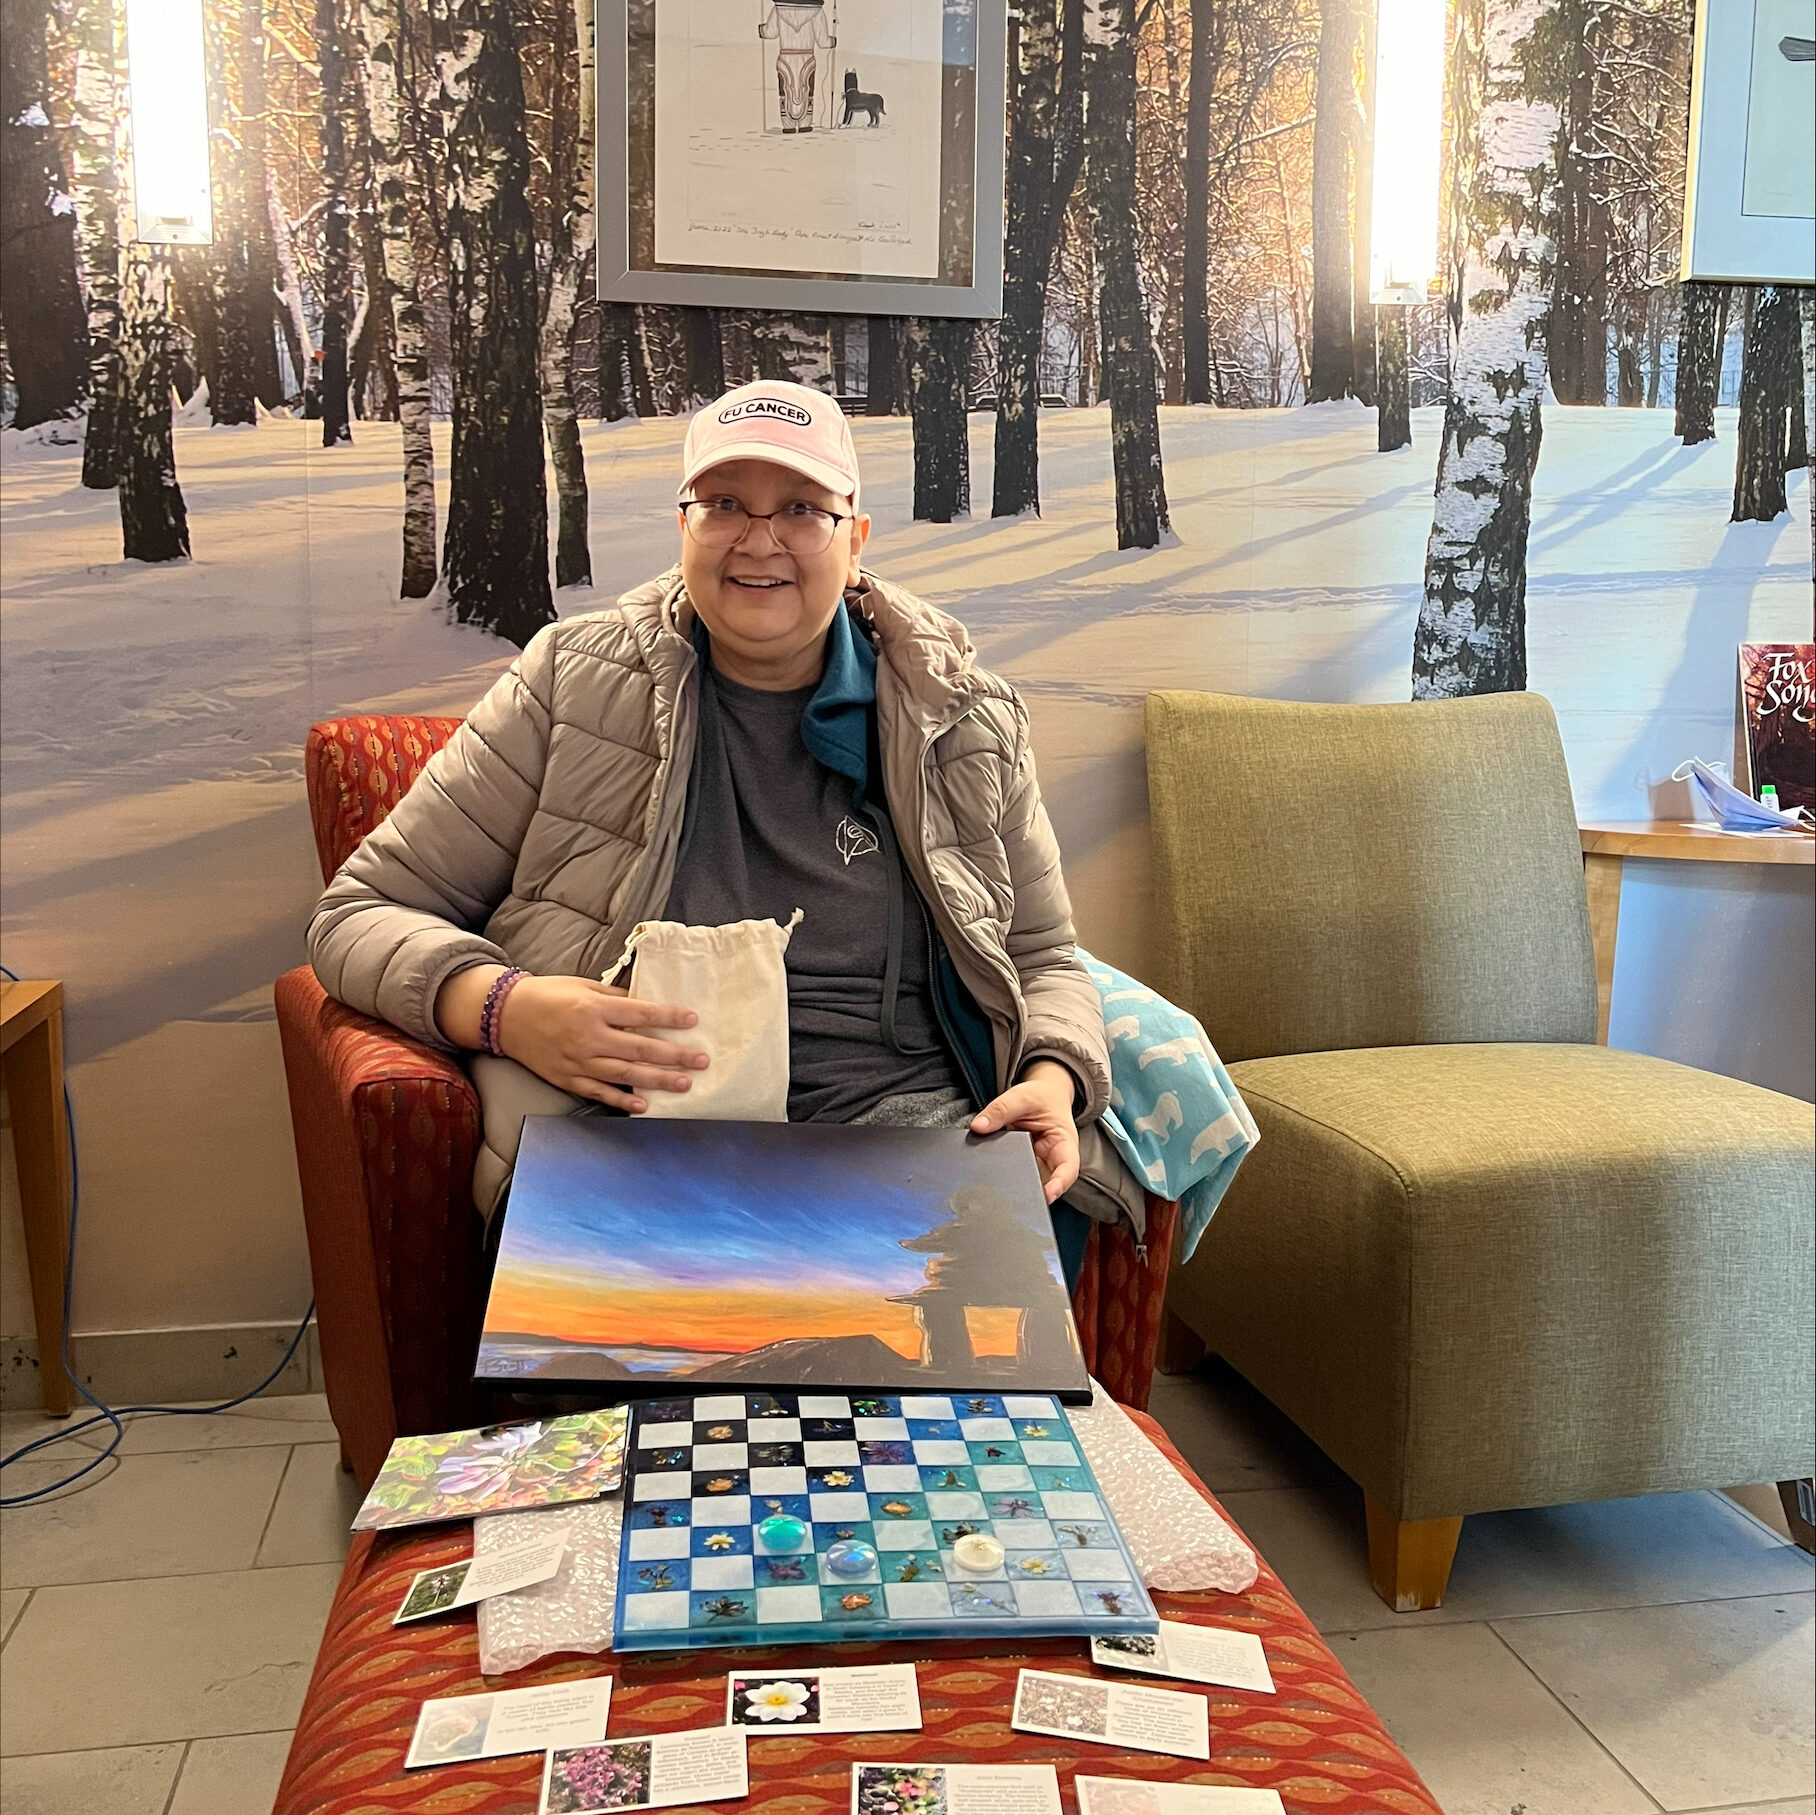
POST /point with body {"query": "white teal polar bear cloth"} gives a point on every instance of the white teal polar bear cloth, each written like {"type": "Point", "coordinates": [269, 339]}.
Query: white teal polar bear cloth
{"type": "Point", "coordinates": [1175, 1114]}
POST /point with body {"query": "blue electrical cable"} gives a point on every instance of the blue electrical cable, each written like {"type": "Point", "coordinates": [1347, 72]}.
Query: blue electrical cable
{"type": "Point", "coordinates": [108, 1413]}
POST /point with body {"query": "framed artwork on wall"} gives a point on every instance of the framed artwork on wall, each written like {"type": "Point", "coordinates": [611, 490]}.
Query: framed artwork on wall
{"type": "Point", "coordinates": [1750, 186]}
{"type": "Point", "coordinates": [835, 156]}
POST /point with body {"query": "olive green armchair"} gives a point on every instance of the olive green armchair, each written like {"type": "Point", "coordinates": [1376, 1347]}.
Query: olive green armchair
{"type": "Point", "coordinates": [1481, 1260]}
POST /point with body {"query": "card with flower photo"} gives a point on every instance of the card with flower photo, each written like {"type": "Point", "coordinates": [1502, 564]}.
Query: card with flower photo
{"type": "Point", "coordinates": [509, 1721]}
{"type": "Point", "coordinates": [1112, 1714]}
{"type": "Point", "coordinates": [705, 1765]}
{"type": "Point", "coordinates": [882, 1699]}
{"type": "Point", "coordinates": [910, 1789]}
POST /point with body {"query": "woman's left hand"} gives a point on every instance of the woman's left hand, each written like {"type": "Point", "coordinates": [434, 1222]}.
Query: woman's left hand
{"type": "Point", "coordinates": [1041, 1105]}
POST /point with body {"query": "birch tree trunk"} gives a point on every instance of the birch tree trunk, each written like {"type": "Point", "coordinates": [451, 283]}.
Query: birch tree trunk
{"type": "Point", "coordinates": [495, 555]}
{"type": "Point", "coordinates": [613, 365]}
{"type": "Point", "coordinates": [1703, 315]}
{"type": "Point", "coordinates": [1128, 353]}
{"type": "Point", "coordinates": [880, 397]}
{"type": "Point", "coordinates": [939, 363]}
{"type": "Point", "coordinates": [1629, 364]}
{"type": "Point", "coordinates": [1333, 367]}
{"type": "Point", "coordinates": [1046, 150]}
{"type": "Point", "coordinates": [1026, 247]}
{"type": "Point", "coordinates": [292, 317]}
{"type": "Point", "coordinates": [1471, 635]}
{"type": "Point", "coordinates": [94, 139]}
{"type": "Point", "coordinates": [225, 344]}
{"type": "Point", "coordinates": [1393, 384]}
{"type": "Point", "coordinates": [706, 354]}
{"type": "Point", "coordinates": [572, 252]}
{"type": "Point", "coordinates": [1201, 75]}
{"type": "Point", "coordinates": [1363, 313]}
{"type": "Point", "coordinates": [1769, 379]}
{"type": "Point", "coordinates": [377, 26]}
{"type": "Point", "coordinates": [337, 226]}
{"type": "Point", "coordinates": [255, 214]}
{"type": "Point", "coordinates": [39, 296]}
{"type": "Point", "coordinates": [636, 352]}
{"type": "Point", "coordinates": [1579, 320]}
{"type": "Point", "coordinates": [153, 522]}
{"type": "Point", "coordinates": [737, 358]}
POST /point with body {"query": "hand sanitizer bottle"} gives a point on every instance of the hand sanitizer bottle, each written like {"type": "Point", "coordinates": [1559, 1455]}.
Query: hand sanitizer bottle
{"type": "Point", "coordinates": [1768, 797]}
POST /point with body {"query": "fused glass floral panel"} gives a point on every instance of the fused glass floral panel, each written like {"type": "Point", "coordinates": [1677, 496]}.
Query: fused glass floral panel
{"type": "Point", "coordinates": [503, 1468]}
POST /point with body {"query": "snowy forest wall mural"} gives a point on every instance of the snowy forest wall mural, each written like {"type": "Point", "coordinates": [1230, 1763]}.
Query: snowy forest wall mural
{"type": "Point", "coordinates": [350, 457]}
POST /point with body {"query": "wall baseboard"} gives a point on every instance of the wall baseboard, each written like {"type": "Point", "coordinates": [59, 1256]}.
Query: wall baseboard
{"type": "Point", "coordinates": [167, 1367]}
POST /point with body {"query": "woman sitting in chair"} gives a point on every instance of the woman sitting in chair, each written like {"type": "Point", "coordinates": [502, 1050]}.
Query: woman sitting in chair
{"type": "Point", "coordinates": [765, 727]}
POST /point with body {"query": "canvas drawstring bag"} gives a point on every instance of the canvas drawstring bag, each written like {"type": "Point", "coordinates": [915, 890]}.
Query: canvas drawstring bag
{"type": "Point", "coordinates": [732, 977]}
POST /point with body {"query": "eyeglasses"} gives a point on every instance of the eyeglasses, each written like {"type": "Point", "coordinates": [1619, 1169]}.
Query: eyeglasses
{"type": "Point", "coordinates": [802, 529]}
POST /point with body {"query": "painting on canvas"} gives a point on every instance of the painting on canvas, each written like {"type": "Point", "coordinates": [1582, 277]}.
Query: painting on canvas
{"type": "Point", "coordinates": [777, 1255]}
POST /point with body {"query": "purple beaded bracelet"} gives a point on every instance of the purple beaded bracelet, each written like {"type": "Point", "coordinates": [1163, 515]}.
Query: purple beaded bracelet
{"type": "Point", "coordinates": [502, 986]}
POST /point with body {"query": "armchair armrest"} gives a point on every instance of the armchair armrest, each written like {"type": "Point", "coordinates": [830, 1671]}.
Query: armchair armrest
{"type": "Point", "coordinates": [386, 1133]}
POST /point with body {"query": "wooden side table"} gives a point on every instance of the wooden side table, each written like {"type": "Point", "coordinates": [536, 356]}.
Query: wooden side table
{"type": "Point", "coordinates": [1606, 845]}
{"type": "Point", "coordinates": [31, 1064]}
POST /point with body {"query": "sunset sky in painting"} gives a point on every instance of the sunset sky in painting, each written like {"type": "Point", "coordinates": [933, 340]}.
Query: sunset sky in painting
{"type": "Point", "coordinates": [727, 1236]}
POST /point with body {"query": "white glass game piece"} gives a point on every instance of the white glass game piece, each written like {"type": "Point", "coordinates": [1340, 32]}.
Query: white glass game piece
{"type": "Point", "coordinates": [978, 1550]}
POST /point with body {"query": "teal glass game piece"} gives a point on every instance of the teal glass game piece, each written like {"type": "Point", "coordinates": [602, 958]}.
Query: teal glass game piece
{"type": "Point", "coordinates": [782, 1531]}
{"type": "Point", "coordinates": [932, 1515]}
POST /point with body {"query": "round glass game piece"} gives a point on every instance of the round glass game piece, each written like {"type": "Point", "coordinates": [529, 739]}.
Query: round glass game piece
{"type": "Point", "coordinates": [782, 1531]}
{"type": "Point", "coordinates": [978, 1550]}
{"type": "Point", "coordinates": [850, 1557]}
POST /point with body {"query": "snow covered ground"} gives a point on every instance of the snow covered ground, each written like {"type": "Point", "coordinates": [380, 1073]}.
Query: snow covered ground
{"type": "Point", "coordinates": [157, 846]}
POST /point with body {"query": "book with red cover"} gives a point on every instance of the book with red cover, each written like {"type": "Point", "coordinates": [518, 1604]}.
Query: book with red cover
{"type": "Point", "coordinates": [1778, 709]}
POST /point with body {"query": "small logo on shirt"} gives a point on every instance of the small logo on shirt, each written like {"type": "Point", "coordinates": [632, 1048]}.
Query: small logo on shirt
{"type": "Point", "coordinates": [854, 839]}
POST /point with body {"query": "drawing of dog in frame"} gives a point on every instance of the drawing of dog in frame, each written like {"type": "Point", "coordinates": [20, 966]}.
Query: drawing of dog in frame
{"type": "Point", "coordinates": [857, 102]}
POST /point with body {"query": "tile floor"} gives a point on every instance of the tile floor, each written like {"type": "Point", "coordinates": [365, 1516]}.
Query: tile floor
{"type": "Point", "coordinates": [1639, 1656]}
{"type": "Point", "coordinates": [1623, 1658]}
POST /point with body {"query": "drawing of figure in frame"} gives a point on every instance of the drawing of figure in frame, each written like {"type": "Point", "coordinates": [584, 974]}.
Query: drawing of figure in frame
{"type": "Point", "coordinates": [801, 35]}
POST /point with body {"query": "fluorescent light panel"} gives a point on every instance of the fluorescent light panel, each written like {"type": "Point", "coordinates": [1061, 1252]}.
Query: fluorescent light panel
{"type": "Point", "coordinates": [1409, 127]}
{"type": "Point", "coordinates": [172, 200]}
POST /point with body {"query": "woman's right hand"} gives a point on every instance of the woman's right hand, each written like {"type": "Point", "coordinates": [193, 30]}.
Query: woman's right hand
{"type": "Point", "coordinates": [586, 1038]}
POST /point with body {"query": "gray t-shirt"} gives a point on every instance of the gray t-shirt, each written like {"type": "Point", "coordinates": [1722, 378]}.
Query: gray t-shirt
{"type": "Point", "coordinates": [769, 828]}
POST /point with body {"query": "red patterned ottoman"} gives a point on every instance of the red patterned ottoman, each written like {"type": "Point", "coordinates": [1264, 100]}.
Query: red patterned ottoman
{"type": "Point", "coordinates": [1316, 1741]}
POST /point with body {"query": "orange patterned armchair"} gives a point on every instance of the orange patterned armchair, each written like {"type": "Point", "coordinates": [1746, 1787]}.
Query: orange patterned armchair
{"type": "Point", "coordinates": [386, 1131]}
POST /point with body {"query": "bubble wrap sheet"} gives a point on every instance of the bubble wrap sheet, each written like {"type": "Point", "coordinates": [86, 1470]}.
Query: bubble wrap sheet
{"type": "Point", "coordinates": [572, 1610]}
{"type": "Point", "coordinates": [1178, 1542]}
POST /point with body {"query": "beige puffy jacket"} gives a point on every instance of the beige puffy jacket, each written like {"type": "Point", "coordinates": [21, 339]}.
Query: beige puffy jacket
{"type": "Point", "coordinates": [548, 826]}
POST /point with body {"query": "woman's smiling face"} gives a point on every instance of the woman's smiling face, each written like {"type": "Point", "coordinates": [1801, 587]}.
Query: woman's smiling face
{"type": "Point", "coordinates": [766, 606]}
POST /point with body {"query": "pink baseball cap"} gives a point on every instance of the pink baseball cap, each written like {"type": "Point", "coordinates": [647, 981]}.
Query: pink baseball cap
{"type": "Point", "coordinates": [787, 424]}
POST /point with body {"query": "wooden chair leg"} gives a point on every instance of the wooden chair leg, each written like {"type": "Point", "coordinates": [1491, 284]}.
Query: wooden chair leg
{"type": "Point", "coordinates": [1409, 1559]}
{"type": "Point", "coordinates": [1799, 1500]}
{"type": "Point", "coordinates": [1181, 1347]}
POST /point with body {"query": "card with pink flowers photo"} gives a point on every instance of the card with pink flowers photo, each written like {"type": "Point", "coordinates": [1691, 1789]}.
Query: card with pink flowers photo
{"type": "Point", "coordinates": [882, 1699]}
{"type": "Point", "coordinates": [502, 1468]}
{"type": "Point", "coordinates": [707, 1764]}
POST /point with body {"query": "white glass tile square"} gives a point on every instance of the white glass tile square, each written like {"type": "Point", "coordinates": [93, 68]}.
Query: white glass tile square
{"type": "Point", "coordinates": [647, 1544]}
{"type": "Point", "coordinates": [648, 1612]}
{"type": "Point", "coordinates": [776, 1606]}
{"type": "Point", "coordinates": [892, 1478]}
{"type": "Point", "coordinates": [925, 1407]}
{"type": "Point", "coordinates": [722, 1572]}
